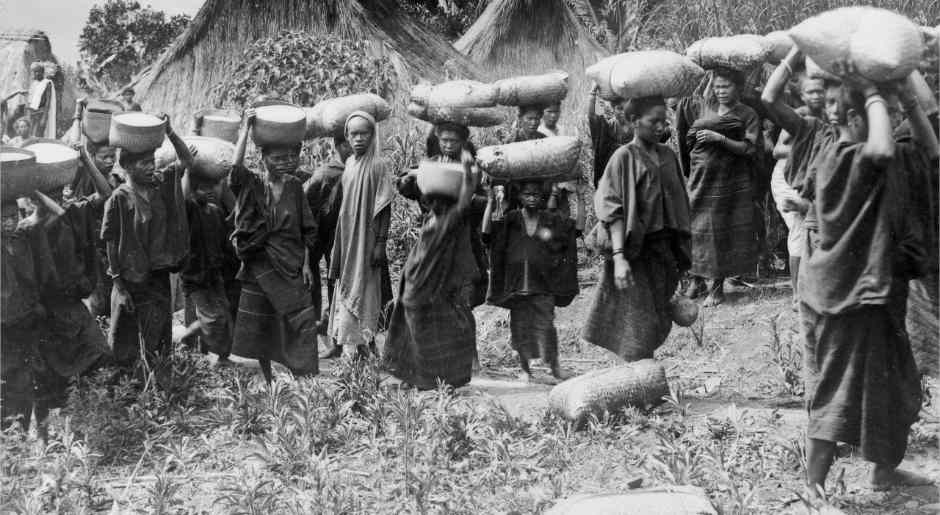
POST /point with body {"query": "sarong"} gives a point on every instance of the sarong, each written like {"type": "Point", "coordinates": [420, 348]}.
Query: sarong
{"type": "Point", "coordinates": [150, 322]}
{"type": "Point", "coordinates": [210, 307]}
{"type": "Point", "coordinates": [634, 322]}
{"type": "Point", "coordinates": [71, 340]}
{"type": "Point", "coordinates": [532, 327]}
{"type": "Point", "coordinates": [793, 219]}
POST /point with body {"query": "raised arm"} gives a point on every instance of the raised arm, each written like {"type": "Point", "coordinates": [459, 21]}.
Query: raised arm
{"type": "Point", "coordinates": [780, 112]}
{"type": "Point", "coordinates": [102, 186]}
{"type": "Point", "coordinates": [247, 121]}
{"type": "Point", "coordinates": [471, 178]}
{"type": "Point", "coordinates": [592, 103]}
{"type": "Point", "coordinates": [47, 210]}
{"type": "Point", "coordinates": [921, 128]}
{"type": "Point", "coordinates": [182, 150]}
{"type": "Point", "coordinates": [879, 146]}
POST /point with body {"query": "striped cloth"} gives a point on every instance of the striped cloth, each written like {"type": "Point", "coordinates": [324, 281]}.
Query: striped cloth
{"type": "Point", "coordinates": [532, 327]}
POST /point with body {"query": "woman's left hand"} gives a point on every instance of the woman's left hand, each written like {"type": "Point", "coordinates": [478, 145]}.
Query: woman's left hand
{"type": "Point", "coordinates": [308, 277]}
{"type": "Point", "coordinates": [707, 136]}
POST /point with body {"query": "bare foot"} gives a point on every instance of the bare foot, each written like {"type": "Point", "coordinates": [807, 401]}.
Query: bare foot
{"type": "Point", "coordinates": [884, 478]}
{"type": "Point", "coordinates": [714, 298]}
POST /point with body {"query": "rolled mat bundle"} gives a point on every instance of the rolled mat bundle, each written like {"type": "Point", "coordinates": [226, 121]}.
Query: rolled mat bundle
{"type": "Point", "coordinates": [813, 71]}
{"type": "Point", "coordinates": [546, 89]}
{"type": "Point", "coordinates": [328, 118]}
{"type": "Point", "coordinates": [780, 43]}
{"type": "Point", "coordinates": [96, 119]}
{"type": "Point", "coordinates": [455, 93]}
{"type": "Point", "coordinates": [441, 179]}
{"type": "Point", "coordinates": [220, 123]}
{"type": "Point", "coordinates": [646, 73]}
{"type": "Point", "coordinates": [213, 159]}
{"type": "Point", "coordinates": [136, 132]}
{"type": "Point", "coordinates": [883, 45]}
{"type": "Point", "coordinates": [553, 158]}
{"type": "Point", "coordinates": [279, 124]}
{"type": "Point", "coordinates": [639, 384]}
{"type": "Point", "coordinates": [666, 500]}
{"type": "Point", "coordinates": [741, 52]}
{"type": "Point", "coordinates": [466, 116]}
{"type": "Point", "coordinates": [42, 164]}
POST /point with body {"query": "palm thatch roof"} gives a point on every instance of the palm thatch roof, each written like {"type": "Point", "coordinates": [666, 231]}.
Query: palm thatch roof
{"type": "Point", "coordinates": [517, 37]}
{"type": "Point", "coordinates": [18, 49]}
{"type": "Point", "coordinates": [181, 79]}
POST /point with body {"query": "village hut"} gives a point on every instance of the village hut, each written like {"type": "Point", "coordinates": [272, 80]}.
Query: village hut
{"type": "Point", "coordinates": [521, 37]}
{"type": "Point", "coordinates": [182, 78]}
{"type": "Point", "coordinates": [19, 49]}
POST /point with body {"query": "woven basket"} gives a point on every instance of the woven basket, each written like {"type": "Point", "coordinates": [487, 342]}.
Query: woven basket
{"type": "Point", "coordinates": [55, 166]}
{"type": "Point", "coordinates": [554, 158]}
{"type": "Point", "coordinates": [213, 159]}
{"type": "Point", "coordinates": [640, 384]}
{"type": "Point", "coordinates": [742, 52]}
{"type": "Point", "coordinates": [96, 119]}
{"type": "Point", "coordinates": [328, 118]}
{"type": "Point", "coordinates": [279, 125]}
{"type": "Point", "coordinates": [780, 43]}
{"type": "Point", "coordinates": [646, 73]}
{"type": "Point", "coordinates": [683, 311]}
{"type": "Point", "coordinates": [18, 173]}
{"type": "Point", "coordinates": [456, 93]}
{"type": "Point", "coordinates": [545, 89]}
{"type": "Point", "coordinates": [884, 45]}
{"type": "Point", "coordinates": [442, 179]}
{"type": "Point", "coordinates": [136, 132]}
{"type": "Point", "coordinates": [466, 116]}
{"type": "Point", "coordinates": [220, 123]}
{"type": "Point", "coordinates": [668, 500]}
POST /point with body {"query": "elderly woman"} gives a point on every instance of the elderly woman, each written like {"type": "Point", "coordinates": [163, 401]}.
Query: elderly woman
{"type": "Point", "coordinates": [359, 261]}
{"type": "Point", "coordinates": [720, 137]}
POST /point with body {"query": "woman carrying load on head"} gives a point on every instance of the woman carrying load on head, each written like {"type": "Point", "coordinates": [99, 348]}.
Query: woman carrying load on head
{"type": "Point", "coordinates": [867, 235]}
{"type": "Point", "coordinates": [359, 264]}
{"type": "Point", "coordinates": [274, 228]}
{"type": "Point", "coordinates": [606, 135]}
{"type": "Point", "coordinates": [642, 202]}
{"type": "Point", "coordinates": [432, 336]}
{"type": "Point", "coordinates": [721, 136]}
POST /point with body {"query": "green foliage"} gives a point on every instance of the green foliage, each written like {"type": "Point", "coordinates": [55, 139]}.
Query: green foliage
{"type": "Point", "coordinates": [450, 18]}
{"type": "Point", "coordinates": [121, 37]}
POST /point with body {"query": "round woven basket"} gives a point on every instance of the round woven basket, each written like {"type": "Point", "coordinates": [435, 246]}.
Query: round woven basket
{"type": "Point", "coordinates": [440, 179]}
{"type": "Point", "coordinates": [220, 123]}
{"type": "Point", "coordinates": [96, 119]}
{"type": "Point", "coordinates": [136, 132]}
{"type": "Point", "coordinates": [19, 169]}
{"type": "Point", "coordinates": [279, 125]}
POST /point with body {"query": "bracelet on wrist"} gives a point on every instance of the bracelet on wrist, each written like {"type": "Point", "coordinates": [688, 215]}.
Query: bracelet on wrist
{"type": "Point", "coordinates": [617, 251]}
{"type": "Point", "coordinates": [874, 99]}
{"type": "Point", "coordinates": [787, 66]}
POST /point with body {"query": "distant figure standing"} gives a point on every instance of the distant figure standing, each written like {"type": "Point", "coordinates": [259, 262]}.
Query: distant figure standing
{"type": "Point", "coordinates": [41, 102]}
{"type": "Point", "coordinates": [606, 135]}
{"type": "Point", "coordinates": [127, 100]}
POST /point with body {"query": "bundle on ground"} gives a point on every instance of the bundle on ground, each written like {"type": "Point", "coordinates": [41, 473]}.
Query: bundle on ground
{"type": "Point", "coordinates": [883, 45]}
{"type": "Point", "coordinates": [467, 116]}
{"type": "Point", "coordinates": [546, 89]}
{"type": "Point", "coordinates": [741, 52]}
{"type": "Point", "coordinates": [553, 158]}
{"type": "Point", "coordinates": [327, 118]}
{"type": "Point", "coordinates": [640, 384]}
{"type": "Point", "coordinates": [213, 159]}
{"type": "Point", "coordinates": [666, 500]}
{"type": "Point", "coordinates": [455, 93]}
{"type": "Point", "coordinates": [646, 73]}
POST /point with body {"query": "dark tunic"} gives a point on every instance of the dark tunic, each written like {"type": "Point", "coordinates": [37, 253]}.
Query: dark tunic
{"type": "Point", "coordinates": [606, 137]}
{"type": "Point", "coordinates": [721, 191]}
{"type": "Point", "coordinates": [649, 197]}
{"type": "Point", "coordinates": [324, 194]}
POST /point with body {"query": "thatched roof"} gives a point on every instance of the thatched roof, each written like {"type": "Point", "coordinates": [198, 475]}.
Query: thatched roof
{"type": "Point", "coordinates": [180, 81]}
{"type": "Point", "coordinates": [518, 37]}
{"type": "Point", "coordinates": [18, 49]}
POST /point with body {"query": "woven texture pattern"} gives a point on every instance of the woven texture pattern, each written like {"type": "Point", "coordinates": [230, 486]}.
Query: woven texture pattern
{"type": "Point", "coordinates": [640, 384]}
{"type": "Point", "coordinates": [545, 89]}
{"type": "Point", "coordinates": [467, 116]}
{"type": "Point", "coordinates": [740, 52]}
{"type": "Point", "coordinates": [646, 73]}
{"type": "Point", "coordinates": [552, 158]}
{"type": "Point", "coordinates": [137, 137]}
{"type": "Point", "coordinates": [279, 125]}
{"type": "Point", "coordinates": [213, 159]}
{"type": "Point", "coordinates": [456, 93]}
{"type": "Point", "coordinates": [328, 118]}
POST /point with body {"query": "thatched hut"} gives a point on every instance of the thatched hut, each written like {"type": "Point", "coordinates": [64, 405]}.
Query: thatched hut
{"type": "Point", "coordinates": [518, 37]}
{"type": "Point", "coordinates": [181, 79]}
{"type": "Point", "coordinates": [19, 49]}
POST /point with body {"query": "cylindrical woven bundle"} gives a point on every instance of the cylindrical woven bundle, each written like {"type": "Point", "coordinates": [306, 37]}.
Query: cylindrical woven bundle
{"type": "Point", "coordinates": [221, 123]}
{"type": "Point", "coordinates": [640, 384]}
{"type": "Point", "coordinates": [545, 89]}
{"type": "Point", "coordinates": [328, 118]}
{"type": "Point", "coordinates": [554, 158]}
{"type": "Point", "coordinates": [455, 93]}
{"type": "Point", "coordinates": [279, 125]}
{"type": "Point", "coordinates": [443, 179]}
{"type": "Point", "coordinates": [136, 132]}
{"type": "Point", "coordinates": [669, 500]}
{"type": "Point", "coordinates": [813, 71]}
{"type": "Point", "coordinates": [466, 116]}
{"type": "Point", "coordinates": [17, 173]}
{"type": "Point", "coordinates": [884, 45]}
{"type": "Point", "coordinates": [780, 43]}
{"type": "Point", "coordinates": [741, 52]}
{"type": "Point", "coordinates": [213, 159]}
{"type": "Point", "coordinates": [96, 119]}
{"type": "Point", "coordinates": [646, 73]}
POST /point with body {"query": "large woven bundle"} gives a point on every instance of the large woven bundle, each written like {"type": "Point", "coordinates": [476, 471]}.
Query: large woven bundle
{"type": "Point", "coordinates": [923, 324]}
{"type": "Point", "coordinates": [780, 44]}
{"type": "Point", "coordinates": [669, 500]}
{"type": "Point", "coordinates": [328, 118]}
{"type": "Point", "coordinates": [554, 158]}
{"type": "Point", "coordinates": [213, 159]}
{"type": "Point", "coordinates": [42, 164]}
{"type": "Point", "coordinates": [466, 116]}
{"type": "Point", "coordinates": [640, 384]}
{"type": "Point", "coordinates": [455, 93]}
{"type": "Point", "coordinates": [741, 52]}
{"type": "Point", "coordinates": [813, 71]}
{"type": "Point", "coordinates": [883, 45]}
{"type": "Point", "coordinates": [646, 73]}
{"type": "Point", "coordinates": [545, 89]}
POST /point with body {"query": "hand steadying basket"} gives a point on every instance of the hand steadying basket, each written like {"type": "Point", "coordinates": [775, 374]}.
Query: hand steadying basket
{"type": "Point", "coordinates": [741, 52]}
{"type": "Point", "coordinates": [646, 73]}
{"type": "Point", "coordinates": [546, 89]}
{"type": "Point", "coordinates": [213, 159]}
{"type": "Point", "coordinates": [640, 384]}
{"type": "Point", "coordinates": [884, 45]}
{"type": "Point", "coordinates": [554, 158]}
{"type": "Point", "coordinates": [666, 500]}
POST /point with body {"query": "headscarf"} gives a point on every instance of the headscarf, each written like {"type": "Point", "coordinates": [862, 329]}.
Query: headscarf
{"type": "Point", "coordinates": [368, 162]}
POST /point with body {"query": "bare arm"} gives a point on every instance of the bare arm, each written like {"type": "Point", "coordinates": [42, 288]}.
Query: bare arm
{"type": "Point", "coordinates": [242, 144]}
{"type": "Point", "coordinates": [471, 177]}
{"type": "Point", "coordinates": [102, 186]}
{"type": "Point", "coordinates": [592, 103]}
{"type": "Point", "coordinates": [780, 113]}
{"type": "Point", "coordinates": [182, 150]}
{"type": "Point", "coordinates": [783, 146]}
{"type": "Point", "coordinates": [879, 146]}
{"type": "Point", "coordinates": [47, 210]}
